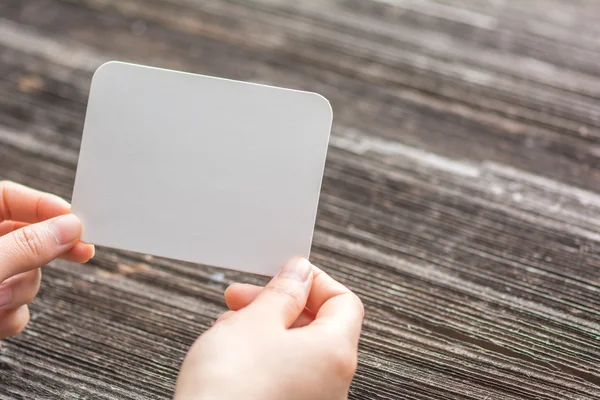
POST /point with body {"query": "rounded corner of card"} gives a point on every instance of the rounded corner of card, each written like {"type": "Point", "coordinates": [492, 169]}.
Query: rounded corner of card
{"type": "Point", "coordinates": [106, 69]}
{"type": "Point", "coordinates": [323, 104]}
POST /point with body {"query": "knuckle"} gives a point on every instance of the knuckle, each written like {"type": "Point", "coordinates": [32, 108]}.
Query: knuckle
{"type": "Point", "coordinates": [359, 305]}
{"type": "Point", "coordinates": [344, 361]}
{"type": "Point", "coordinates": [30, 242]}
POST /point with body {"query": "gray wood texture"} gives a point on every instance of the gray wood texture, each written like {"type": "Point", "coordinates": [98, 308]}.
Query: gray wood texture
{"type": "Point", "coordinates": [461, 195]}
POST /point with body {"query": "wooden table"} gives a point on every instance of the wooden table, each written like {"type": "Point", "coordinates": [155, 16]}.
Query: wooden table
{"type": "Point", "coordinates": [461, 196]}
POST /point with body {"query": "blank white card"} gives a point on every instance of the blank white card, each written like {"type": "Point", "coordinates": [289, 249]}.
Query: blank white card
{"type": "Point", "coordinates": [200, 169]}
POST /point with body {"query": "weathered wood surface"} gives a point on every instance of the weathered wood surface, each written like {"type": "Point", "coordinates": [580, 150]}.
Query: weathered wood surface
{"type": "Point", "coordinates": [461, 196]}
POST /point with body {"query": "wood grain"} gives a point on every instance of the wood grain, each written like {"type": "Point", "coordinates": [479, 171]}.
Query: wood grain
{"type": "Point", "coordinates": [460, 196]}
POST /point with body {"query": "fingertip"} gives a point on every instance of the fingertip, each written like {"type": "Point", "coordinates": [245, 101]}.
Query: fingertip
{"type": "Point", "coordinates": [285, 296]}
{"type": "Point", "coordinates": [240, 295]}
{"type": "Point", "coordinates": [22, 316]}
{"type": "Point", "coordinates": [297, 269]}
{"type": "Point", "coordinates": [66, 229]}
{"type": "Point", "coordinates": [92, 252]}
{"type": "Point", "coordinates": [88, 251]}
{"type": "Point", "coordinates": [233, 288]}
{"type": "Point", "coordinates": [230, 293]}
{"type": "Point", "coordinates": [14, 321]}
{"type": "Point", "coordinates": [80, 253]}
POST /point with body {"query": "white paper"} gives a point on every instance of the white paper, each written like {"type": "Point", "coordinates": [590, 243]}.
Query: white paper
{"type": "Point", "coordinates": [200, 169]}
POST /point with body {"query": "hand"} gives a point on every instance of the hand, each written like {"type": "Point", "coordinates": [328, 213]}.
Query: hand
{"type": "Point", "coordinates": [296, 339]}
{"type": "Point", "coordinates": [35, 228]}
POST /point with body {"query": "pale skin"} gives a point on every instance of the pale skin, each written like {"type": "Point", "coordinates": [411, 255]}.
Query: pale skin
{"type": "Point", "coordinates": [296, 338]}
{"type": "Point", "coordinates": [35, 228]}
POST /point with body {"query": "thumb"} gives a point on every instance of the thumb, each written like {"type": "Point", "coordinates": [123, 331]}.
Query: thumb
{"type": "Point", "coordinates": [35, 245]}
{"type": "Point", "coordinates": [284, 298]}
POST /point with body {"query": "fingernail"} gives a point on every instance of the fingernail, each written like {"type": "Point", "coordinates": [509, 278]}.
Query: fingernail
{"type": "Point", "coordinates": [298, 269]}
{"type": "Point", "coordinates": [66, 228]}
{"type": "Point", "coordinates": [6, 296]}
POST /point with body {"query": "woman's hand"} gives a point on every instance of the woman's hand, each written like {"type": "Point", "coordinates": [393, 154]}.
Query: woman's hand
{"type": "Point", "coordinates": [35, 228]}
{"type": "Point", "coordinates": [297, 338]}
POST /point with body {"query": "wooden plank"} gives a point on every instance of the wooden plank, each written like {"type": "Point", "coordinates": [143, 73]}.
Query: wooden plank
{"type": "Point", "coordinates": [460, 195]}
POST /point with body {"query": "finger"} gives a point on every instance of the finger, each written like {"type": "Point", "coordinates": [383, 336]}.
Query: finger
{"type": "Point", "coordinates": [13, 321]}
{"type": "Point", "coordinates": [9, 226]}
{"type": "Point", "coordinates": [226, 315]}
{"type": "Point", "coordinates": [36, 245]}
{"type": "Point", "coordinates": [20, 289]}
{"type": "Point", "coordinates": [306, 318]}
{"type": "Point", "coordinates": [240, 295]}
{"type": "Point", "coordinates": [324, 288]}
{"type": "Point", "coordinates": [20, 203]}
{"type": "Point", "coordinates": [80, 253]}
{"type": "Point", "coordinates": [284, 298]}
{"type": "Point", "coordinates": [345, 313]}
{"type": "Point", "coordinates": [335, 305]}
